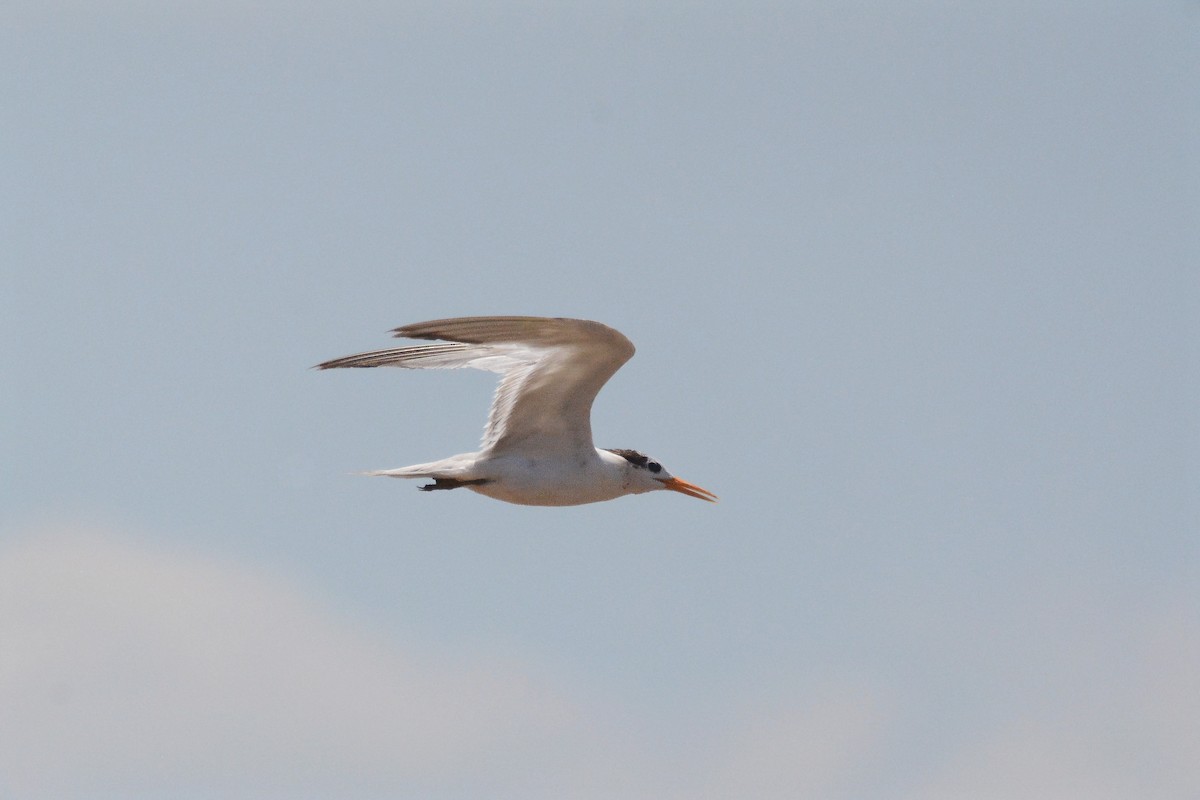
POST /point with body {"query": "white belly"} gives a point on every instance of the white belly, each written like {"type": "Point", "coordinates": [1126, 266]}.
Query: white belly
{"type": "Point", "coordinates": [544, 482]}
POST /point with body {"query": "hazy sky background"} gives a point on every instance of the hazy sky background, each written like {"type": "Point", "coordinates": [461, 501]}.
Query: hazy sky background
{"type": "Point", "coordinates": [915, 291]}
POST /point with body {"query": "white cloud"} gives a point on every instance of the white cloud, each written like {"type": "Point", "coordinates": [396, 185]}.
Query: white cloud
{"type": "Point", "coordinates": [130, 672]}
{"type": "Point", "coordinates": [795, 749]}
{"type": "Point", "coordinates": [133, 670]}
{"type": "Point", "coordinates": [1121, 720]}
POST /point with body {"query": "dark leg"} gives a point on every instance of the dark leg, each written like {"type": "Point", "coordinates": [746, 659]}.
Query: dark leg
{"type": "Point", "coordinates": [450, 483]}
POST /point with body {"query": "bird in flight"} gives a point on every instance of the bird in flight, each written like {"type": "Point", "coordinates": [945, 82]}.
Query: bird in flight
{"type": "Point", "coordinates": [537, 447]}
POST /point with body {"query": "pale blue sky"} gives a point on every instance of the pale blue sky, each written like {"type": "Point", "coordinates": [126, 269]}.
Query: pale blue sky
{"type": "Point", "coordinates": [914, 288]}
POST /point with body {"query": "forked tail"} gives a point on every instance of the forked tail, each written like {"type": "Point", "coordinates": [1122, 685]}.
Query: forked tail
{"type": "Point", "coordinates": [446, 474]}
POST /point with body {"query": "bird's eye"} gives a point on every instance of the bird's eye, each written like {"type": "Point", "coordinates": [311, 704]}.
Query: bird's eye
{"type": "Point", "coordinates": [654, 466]}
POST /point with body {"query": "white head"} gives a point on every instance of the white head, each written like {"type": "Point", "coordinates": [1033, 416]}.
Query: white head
{"type": "Point", "coordinates": [644, 474]}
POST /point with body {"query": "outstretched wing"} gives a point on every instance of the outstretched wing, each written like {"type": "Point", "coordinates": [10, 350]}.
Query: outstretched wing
{"type": "Point", "coordinates": [552, 370]}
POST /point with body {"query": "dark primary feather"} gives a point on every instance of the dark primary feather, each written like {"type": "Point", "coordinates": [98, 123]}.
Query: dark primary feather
{"type": "Point", "coordinates": [395, 357]}
{"type": "Point", "coordinates": [477, 330]}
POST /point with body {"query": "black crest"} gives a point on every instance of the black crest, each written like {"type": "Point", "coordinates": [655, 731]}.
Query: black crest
{"type": "Point", "coordinates": [637, 459]}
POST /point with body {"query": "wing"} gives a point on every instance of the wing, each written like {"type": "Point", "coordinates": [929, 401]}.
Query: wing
{"type": "Point", "coordinates": [552, 370]}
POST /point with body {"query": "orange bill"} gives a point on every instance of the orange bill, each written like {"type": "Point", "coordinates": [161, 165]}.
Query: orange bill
{"type": "Point", "coordinates": [690, 489]}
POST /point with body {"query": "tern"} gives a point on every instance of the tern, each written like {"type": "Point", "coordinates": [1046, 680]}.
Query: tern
{"type": "Point", "coordinates": [537, 447]}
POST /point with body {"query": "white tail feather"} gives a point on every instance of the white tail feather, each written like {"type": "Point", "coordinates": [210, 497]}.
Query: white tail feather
{"type": "Point", "coordinates": [401, 472]}
{"type": "Point", "coordinates": [453, 467]}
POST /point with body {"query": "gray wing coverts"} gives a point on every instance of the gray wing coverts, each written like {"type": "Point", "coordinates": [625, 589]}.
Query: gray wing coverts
{"type": "Point", "coordinates": [552, 370]}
